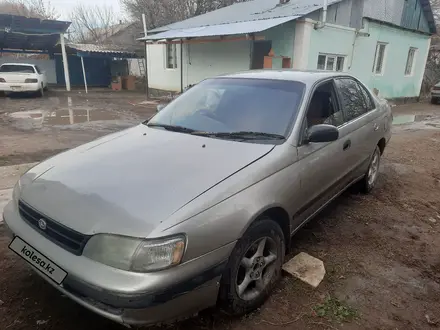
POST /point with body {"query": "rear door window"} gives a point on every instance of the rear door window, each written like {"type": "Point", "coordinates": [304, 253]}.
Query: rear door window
{"type": "Point", "coordinates": [17, 68]}
{"type": "Point", "coordinates": [352, 98]}
{"type": "Point", "coordinates": [368, 99]}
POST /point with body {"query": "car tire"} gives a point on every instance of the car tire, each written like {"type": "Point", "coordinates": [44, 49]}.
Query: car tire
{"type": "Point", "coordinates": [434, 100]}
{"type": "Point", "coordinates": [368, 182]}
{"type": "Point", "coordinates": [40, 93]}
{"type": "Point", "coordinates": [253, 269]}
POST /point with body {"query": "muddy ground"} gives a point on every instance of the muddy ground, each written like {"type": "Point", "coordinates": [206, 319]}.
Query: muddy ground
{"type": "Point", "coordinates": [32, 129]}
{"type": "Point", "coordinates": [381, 251]}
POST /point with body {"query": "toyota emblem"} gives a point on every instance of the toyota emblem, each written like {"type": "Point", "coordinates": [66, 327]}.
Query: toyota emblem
{"type": "Point", "coordinates": [42, 224]}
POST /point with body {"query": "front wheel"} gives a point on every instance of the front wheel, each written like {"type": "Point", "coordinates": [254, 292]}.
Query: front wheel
{"type": "Point", "coordinates": [253, 268]}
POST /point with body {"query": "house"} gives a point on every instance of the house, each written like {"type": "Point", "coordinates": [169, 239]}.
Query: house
{"type": "Point", "coordinates": [384, 43]}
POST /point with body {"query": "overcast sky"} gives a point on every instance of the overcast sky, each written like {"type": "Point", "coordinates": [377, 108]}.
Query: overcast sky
{"type": "Point", "coordinates": [65, 6]}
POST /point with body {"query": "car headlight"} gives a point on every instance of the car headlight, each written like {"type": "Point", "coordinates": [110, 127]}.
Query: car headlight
{"type": "Point", "coordinates": [134, 254]}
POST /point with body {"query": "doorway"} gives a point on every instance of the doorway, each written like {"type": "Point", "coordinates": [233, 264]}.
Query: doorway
{"type": "Point", "coordinates": [259, 50]}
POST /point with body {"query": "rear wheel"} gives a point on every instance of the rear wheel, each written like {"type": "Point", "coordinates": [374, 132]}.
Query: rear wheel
{"type": "Point", "coordinates": [253, 268]}
{"type": "Point", "coordinates": [40, 93]}
{"type": "Point", "coordinates": [369, 181]}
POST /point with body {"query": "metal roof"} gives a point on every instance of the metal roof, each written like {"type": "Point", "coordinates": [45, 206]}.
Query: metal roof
{"type": "Point", "coordinates": [99, 50]}
{"type": "Point", "coordinates": [249, 11]}
{"type": "Point", "coordinates": [427, 9]}
{"type": "Point", "coordinates": [221, 29]}
{"type": "Point", "coordinates": [19, 32]}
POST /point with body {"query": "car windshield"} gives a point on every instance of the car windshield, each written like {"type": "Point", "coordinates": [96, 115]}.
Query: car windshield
{"type": "Point", "coordinates": [234, 108]}
{"type": "Point", "coordinates": [17, 68]}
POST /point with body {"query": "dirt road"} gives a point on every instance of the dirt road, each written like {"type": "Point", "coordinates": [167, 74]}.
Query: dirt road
{"type": "Point", "coordinates": [381, 251]}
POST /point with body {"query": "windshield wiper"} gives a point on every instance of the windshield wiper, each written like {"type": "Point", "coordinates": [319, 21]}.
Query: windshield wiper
{"type": "Point", "coordinates": [245, 135]}
{"type": "Point", "coordinates": [173, 128]}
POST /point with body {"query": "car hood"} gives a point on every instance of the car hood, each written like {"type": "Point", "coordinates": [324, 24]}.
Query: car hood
{"type": "Point", "coordinates": [129, 182]}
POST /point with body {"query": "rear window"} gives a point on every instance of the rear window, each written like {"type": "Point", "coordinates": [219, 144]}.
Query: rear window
{"type": "Point", "coordinates": [17, 68]}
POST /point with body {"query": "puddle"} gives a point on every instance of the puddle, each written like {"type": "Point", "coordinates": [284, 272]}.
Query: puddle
{"type": "Point", "coordinates": [416, 122]}
{"type": "Point", "coordinates": [70, 117]}
{"type": "Point", "coordinates": [404, 119]}
{"type": "Point", "coordinates": [65, 117]}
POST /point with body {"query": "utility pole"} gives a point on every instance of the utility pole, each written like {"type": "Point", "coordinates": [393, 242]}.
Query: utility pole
{"type": "Point", "coordinates": [144, 22]}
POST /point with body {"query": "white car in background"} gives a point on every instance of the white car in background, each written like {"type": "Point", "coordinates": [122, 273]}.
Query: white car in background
{"type": "Point", "coordinates": [21, 77]}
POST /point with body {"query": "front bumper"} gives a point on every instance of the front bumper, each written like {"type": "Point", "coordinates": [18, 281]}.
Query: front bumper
{"type": "Point", "coordinates": [125, 297]}
{"type": "Point", "coordinates": [19, 87]}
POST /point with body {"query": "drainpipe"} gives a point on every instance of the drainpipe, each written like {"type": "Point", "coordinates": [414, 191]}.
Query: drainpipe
{"type": "Point", "coordinates": [364, 32]}
{"type": "Point", "coordinates": [321, 24]}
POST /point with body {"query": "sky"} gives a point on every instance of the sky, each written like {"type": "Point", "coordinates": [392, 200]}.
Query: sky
{"type": "Point", "coordinates": [64, 7]}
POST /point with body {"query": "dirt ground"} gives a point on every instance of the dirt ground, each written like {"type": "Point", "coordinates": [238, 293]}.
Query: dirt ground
{"type": "Point", "coordinates": [32, 129]}
{"type": "Point", "coordinates": [381, 251]}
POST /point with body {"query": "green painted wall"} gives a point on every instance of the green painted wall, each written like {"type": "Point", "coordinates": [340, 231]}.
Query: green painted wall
{"type": "Point", "coordinates": [393, 83]}
{"type": "Point", "coordinates": [283, 38]}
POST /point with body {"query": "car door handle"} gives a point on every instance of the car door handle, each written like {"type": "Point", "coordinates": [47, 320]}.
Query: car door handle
{"type": "Point", "coordinates": [376, 127]}
{"type": "Point", "coordinates": [347, 145]}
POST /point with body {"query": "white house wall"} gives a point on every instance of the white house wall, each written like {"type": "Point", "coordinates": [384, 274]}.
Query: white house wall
{"type": "Point", "coordinates": [201, 61]}
{"type": "Point", "coordinates": [215, 58]}
{"type": "Point", "coordinates": [158, 76]}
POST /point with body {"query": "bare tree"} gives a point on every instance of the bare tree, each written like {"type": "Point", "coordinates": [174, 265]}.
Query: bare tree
{"type": "Point", "coordinates": [162, 12]}
{"type": "Point", "coordinates": [435, 5]}
{"type": "Point", "coordinates": [29, 8]}
{"type": "Point", "coordinates": [93, 24]}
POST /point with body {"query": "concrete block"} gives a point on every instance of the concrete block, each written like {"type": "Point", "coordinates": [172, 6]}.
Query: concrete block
{"type": "Point", "coordinates": [306, 268]}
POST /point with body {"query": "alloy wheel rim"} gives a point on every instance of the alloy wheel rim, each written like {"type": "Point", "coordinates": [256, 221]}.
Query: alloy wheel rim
{"type": "Point", "coordinates": [373, 170]}
{"type": "Point", "coordinates": [257, 268]}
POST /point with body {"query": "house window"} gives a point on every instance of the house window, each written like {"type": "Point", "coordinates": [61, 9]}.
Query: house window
{"type": "Point", "coordinates": [171, 56]}
{"type": "Point", "coordinates": [379, 59]}
{"type": "Point", "coordinates": [410, 61]}
{"type": "Point", "coordinates": [329, 62]}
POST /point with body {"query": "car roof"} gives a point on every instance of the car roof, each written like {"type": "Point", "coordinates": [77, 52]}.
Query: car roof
{"type": "Point", "coordinates": [307, 77]}
{"type": "Point", "coordinates": [22, 64]}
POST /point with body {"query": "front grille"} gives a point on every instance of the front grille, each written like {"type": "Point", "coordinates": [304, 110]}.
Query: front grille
{"type": "Point", "coordinates": [61, 235]}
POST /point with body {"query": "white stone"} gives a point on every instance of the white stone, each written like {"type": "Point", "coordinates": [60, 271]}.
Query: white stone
{"type": "Point", "coordinates": [306, 268]}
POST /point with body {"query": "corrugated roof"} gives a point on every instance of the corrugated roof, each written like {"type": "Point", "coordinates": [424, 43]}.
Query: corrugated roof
{"type": "Point", "coordinates": [249, 11]}
{"type": "Point", "coordinates": [221, 29]}
{"type": "Point", "coordinates": [19, 32]}
{"type": "Point", "coordinates": [98, 50]}
{"type": "Point", "coordinates": [92, 48]}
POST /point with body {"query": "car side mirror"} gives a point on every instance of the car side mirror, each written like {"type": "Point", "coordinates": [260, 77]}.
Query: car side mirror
{"type": "Point", "coordinates": [322, 133]}
{"type": "Point", "coordinates": [160, 107]}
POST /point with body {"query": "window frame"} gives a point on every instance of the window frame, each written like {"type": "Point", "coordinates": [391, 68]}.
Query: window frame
{"type": "Point", "coordinates": [335, 63]}
{"type": "Point", "coordinates": [360, 86]}
{"type": "Point", "coordinates": [384, 58]}
{"type": "Point", "coordinates": [174, 56]}
{"type": "Point", "coordinates": [413, 61]}
{"type": "Point", "coordinates": [338, 104]}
